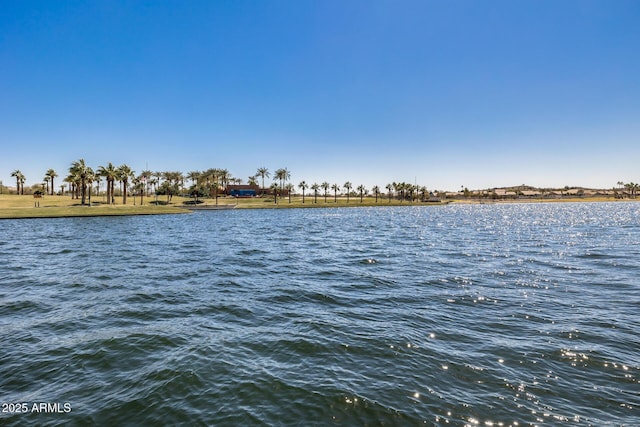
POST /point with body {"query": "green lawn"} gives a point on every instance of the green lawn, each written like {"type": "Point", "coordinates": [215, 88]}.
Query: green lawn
{"type": "Point", "coordinates": [14, 206]}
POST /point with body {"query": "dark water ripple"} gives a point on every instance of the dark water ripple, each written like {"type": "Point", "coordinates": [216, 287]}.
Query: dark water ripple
{"type": "Point", "coordinates": [514, 315]}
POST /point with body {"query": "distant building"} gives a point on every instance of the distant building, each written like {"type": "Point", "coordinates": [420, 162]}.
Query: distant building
{"type": "Point", "coordinates": [242, 190]}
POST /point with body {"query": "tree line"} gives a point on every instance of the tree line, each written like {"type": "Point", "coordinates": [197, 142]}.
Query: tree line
{"type": "Point", "coordinates": [210, 182]}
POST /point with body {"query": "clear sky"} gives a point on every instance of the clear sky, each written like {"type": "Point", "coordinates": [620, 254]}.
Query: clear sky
{"type": "Point", "coordinates": [442, 93]}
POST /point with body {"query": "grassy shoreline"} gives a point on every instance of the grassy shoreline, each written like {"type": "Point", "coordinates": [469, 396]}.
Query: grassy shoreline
{"type": "Point", "coordinates": [16, 207]}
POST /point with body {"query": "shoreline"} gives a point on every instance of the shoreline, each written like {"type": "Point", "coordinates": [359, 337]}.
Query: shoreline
{"type": "Point", "coordinates": [57, 207]}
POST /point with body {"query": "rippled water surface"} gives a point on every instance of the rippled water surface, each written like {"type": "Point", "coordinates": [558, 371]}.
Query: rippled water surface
{"type": "Point", "coordinates": [494, 315]}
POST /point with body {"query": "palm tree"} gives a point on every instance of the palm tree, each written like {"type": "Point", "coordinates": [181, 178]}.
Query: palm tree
{"type": "Point", "coordinates": [20, 179]}
{"type": "Point", "coordinates": [335, 188]}
{"type": "Point", "coordinates": [194, 176]}
{"type": "Point", "coordinates": [423, 192]}
{"type": "Point", "coordinates": [262, 173]}
{"type": "Point", "coordinates": [274, 188]}
{"type": "Point", "coordinates": [81, 174]}
{"type": "Point", "coordinates": [146, 178]}
{"type": "Point", "coordinates": [142, 188]}
{"type": "Point", "coordinates": [389, 188]}
{"type": "Point", "coordinates": [97, 179]}
{"type": "Point", "coordinates": [289, 187]}
{"type": "Point", "coordinates": [90, 178]}
{"type": "Point", "coordinates": [411, 190]}
{"type": "Point", "coordinates": [399, 188]}
{"type": "Point", "coordinates": [124, 174]}
{"type": "Point", "coordinates": [224, 176]}
{"type": "Point", "coordinates": [282, 175]}
{"type": "Point", "coordinates": [315, 188]}
{"type": "Point", "coordinates": [325, 186]}
{"type": "Point", "coordinates": [157, 177]}
{"type": "Point", "coordinates": [348, 186]}
{"type": "Point", "coordinates": [303, 186]}
{"type": "Point", "coordinates": [252, 180]}
{"type": "Point", "coordinates": [362, 190]}
{"type": "Point", "coordinates": [140, 184]}
{"type": "Point", "coordinates": [51, 174]}
{"type": "Point", "coordinates": [207, 178]}
{"type": "Point", "coordinates": [180, 178]}
{"type": "Point", "coordinates": [72, 186]}
{"type": "Point", "coordinates": [376, 191]}
{"type": "Point", "coordinates": [173, 180]}
{"type": "Point", "coordinates": [46, 182]}
{"type": "Point", "coordinates": [620, 185]}
{"type": "Point", "coordinates": [110, 173]}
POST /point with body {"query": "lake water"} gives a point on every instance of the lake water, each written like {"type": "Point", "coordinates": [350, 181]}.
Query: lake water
{"type": "Point", "coordinates": [490, 315]}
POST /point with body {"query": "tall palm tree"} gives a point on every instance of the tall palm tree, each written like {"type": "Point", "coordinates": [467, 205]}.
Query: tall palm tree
{"type": "Point", "coordinates": [208, 177]}
{"type": "Point", "coordinates": [224, 177]}
{"type": "Point", "coordinates": [282, 175]}
{"type": "Point", "coordinates": [325, 186]}
{"type": "Point", "coordinates": [335, 188]}
{"type": "Point", "coordinates": [82, 175]}
{"type": "Point", "coordinates": [315, 187]}
{"type": "Point", "coordinates": [124, 174]}
{"type": "Point", "coordinates": [51, 174]}
{"type": "Point", "coordinates": [262, 173]}
{"type": "Point", "coordinates": [303, 186]}
{"type": "Point", "coordinates": [20, 179]}
{"type": "Point", "coordinates": [110, 173]}
{"type": "Point", "coordinates": [348, 186]}
{"type": "Point", "coordinates": [376, 191]}
{"type": "Point", "coordinates": [362, 190]}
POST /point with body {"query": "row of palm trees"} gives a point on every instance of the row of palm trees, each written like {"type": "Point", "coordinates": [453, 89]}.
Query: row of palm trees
{"type": "Point", "coordinates": [81, 178]}
{"type": "Point", "coordinates": [631, 187]}
{"type": "Point", "coordinates": [20, 179]}
{"type": "Point", "coordinates": [402, 190]}
{"type": "Point", "coordinates": [48, 178]}
{"type": "Point", "coordinates": [209, 182]}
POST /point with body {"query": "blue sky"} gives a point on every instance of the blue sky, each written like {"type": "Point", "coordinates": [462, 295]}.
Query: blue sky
{"type": "Point", "coordinates": [442, 93]}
